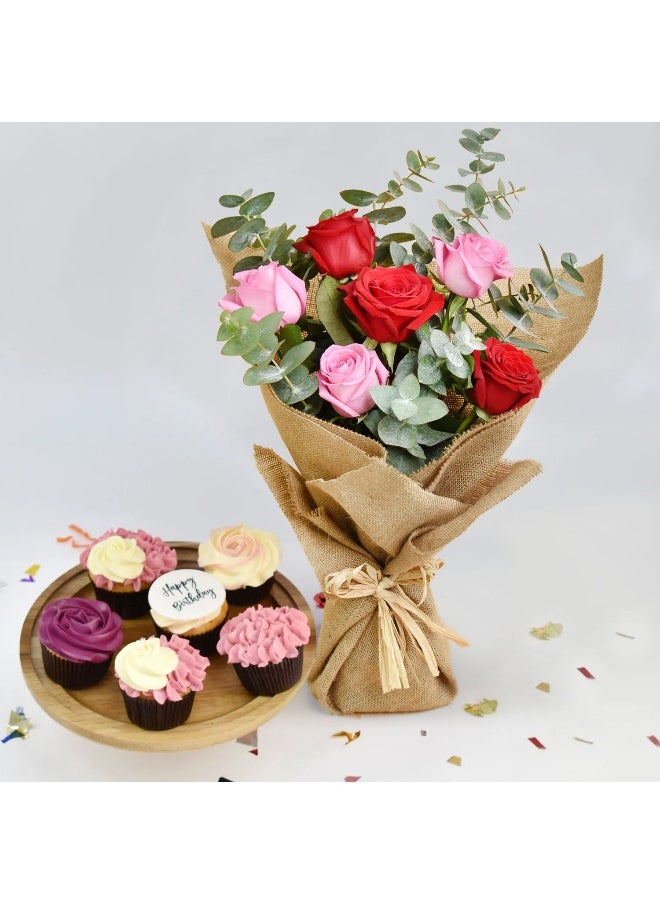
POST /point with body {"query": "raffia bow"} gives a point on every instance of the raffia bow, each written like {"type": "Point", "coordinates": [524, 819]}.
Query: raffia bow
{"type": "Point", "coordinates": [399, 617]}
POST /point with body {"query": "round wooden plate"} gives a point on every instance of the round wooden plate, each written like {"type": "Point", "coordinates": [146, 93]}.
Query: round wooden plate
{"type": "Point", "coordinates": [222, 711]}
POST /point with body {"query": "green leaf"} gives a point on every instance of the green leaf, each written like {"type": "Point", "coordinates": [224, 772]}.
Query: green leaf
{"type": "Point", "coordinates": [291, 395]}
{"type": "Point", "coordinates": [500, 209]}
{"type": "Point", "coordinates": [289, 335]}
{"type": "Point", "coordinates": [226, 225]}
{"type": "Point", "coordinates": [257, 204]}
{"type": "Point", "coordinates": [383, 397]}
{"type": "Point", "coordinates": [326, 214]}
{"type": "Point", "coordinates": [444, 228]}
{"type": "Point", "coordinates": [526, 344]}
{"type": "Point", "coordinates": [403, 408]}
{"type": "Point", "coordinates": [413, 161]}
{"type": "Point", "coordinates": [398, 254]}
{"type": "Point", "coordinates": [394, 188]}
{"type": "Point", "coordinates": [427, 436]}
{"type": "Point", "coordinates": [331, 310]}
{"type": "Point", "coordinates": [357, 197]}
{"type": "Point", "coordinates": [449, 214]}
{"type": "Point", "coordinates": [399, 237]}
{"type": "Point", "coordinates": [244, 341]}
{"type": "Point", "coordinates": [432, 166]}
{"type": "Point", "coordinates": [411, 184]}
{"type": "Point", "coordinates": [270, 323]}
{"type": "Point", "coordinates": [569, 287]}
{"type": "Point", "coordinates": [548, 631]}
{"type": "Point", "coordinates": [460, 188]}
{"type": "Point", "coordinates": [248, 263]}
{"type": "Point", "coordinates": [568, 262]}
{"type": "Point", "coordinates": [428, 409]}
{"type": "Point", "coordinates": [489, 133]}
{"type": "Point", "coordinates": [540, 279]}
{"type": "Point", "coordinates": [296, 355]}
{"type": "Point", "coordinates": [246, 233]}
{"type": "Point", "coordinates": [231, 200]}
{"type": "Point", "coordinates": [237, 318]}
{"type": "Point", "coordinates": [546, 260]}
{"type": "Point", "coordinates": [474, 147]}
{"type": "Point", "coordinates": [420, 236]}
{"type": "Point", "coordinates": [264, 351]}
{"type": "Point", "coordinates": [386, 215]}
{"type": "Point", "coordinates": [396, 433]}
{"type": "Point", "coordinates": [475, 198]}
{"type": "Point", "coordinates": [493, 156]}
{"type": "Point", "coordinates": [472, 135]}
{"type": "Point", "coordinates": [407, 365]}
{"type": "Point", "coordinates": [403, 461]}
{"type": "Point", "coordinates": [515, 315]}
{"type": "Point", "coordinates": [256, 376]}
{"type": "Point", "coordinates": [389, 351]}
{"type": "Point", "coordinates": [479, 167]}
{"type": "Point", "coordinates": [429, 371]}
{"type": "Point", "coordinates": [409, 387]}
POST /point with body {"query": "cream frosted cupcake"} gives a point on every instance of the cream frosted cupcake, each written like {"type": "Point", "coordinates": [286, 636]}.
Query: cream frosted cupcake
{"type": "Point", "coordinates": [158, 678]}
{"type": "Point", "coordinates": [265, 646]}
{"type": "Point", "coordinates": [123, 564]}
{"type": "Point", "coordinates": [244, 560]}
{"type": "Point", "coordinates": [191, 604]}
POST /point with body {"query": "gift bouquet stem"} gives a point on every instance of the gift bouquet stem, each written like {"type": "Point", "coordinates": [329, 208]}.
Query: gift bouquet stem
{"type": "Point", "coordinates": [398, 368]}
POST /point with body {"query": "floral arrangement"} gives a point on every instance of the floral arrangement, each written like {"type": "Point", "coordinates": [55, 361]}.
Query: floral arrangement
{"type": "Point", "coordinates": [407, 337]}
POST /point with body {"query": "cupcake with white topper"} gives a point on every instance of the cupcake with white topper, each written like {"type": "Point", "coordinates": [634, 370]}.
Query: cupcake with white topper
{"type": "Point", "coordinates": [191, 604]}
{"type": "Point", "coordinates": [244, 560]}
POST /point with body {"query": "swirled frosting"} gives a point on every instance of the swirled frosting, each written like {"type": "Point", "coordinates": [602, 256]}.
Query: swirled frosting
{"type": "Point", "coordinates": [116, 562]}
{"type": "Point", "coordinates": [264, 636]}
{"type": "Point", "coordinates": [185, 600]}
{"type": "Point", "coordinates": [240, 556]}
{"type": "Point", "coordinates": [80, 629]}
{"type": "Point", "coordinates": [160, 668]}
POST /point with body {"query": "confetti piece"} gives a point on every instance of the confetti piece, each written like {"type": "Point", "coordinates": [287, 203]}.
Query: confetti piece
{"type": "Point", "coordinates": [485, 708]}
{"type": "Point", "coordinates": [74, 542]}
{"type": "Point", "coordinates": [33, 570]}
{"type": "Point", "coordinates": [251, 739]}
{"type": "Point", "coordinates": [349, 735]}
{"type": "Point", "coordinates": [423, 732]}
{"type": "Point", "coordinates": [352, 778]}
{"type": "Point", "coordinates": [455, 761]}
{"type": "Point", "coordinates": [583, 740]}
{"type": "Point", "coordinates": [255, 751]}
{"type": "Point", "coordinates": [543, 686]}
{"type": "Point", "coordinates": [13, 734]}
{"type": "Point", "coordinates": [654, 740]}
{"type": "Point", "coordinates": [537, 743]}
{"type": "Point", "coordinates": [552, 629]}
{"type": "Point", "coordinates": [584, 671]}
{"type": "Point", "coordinates": [629, 636]}
{"type": "Point", "coordinates": [319, 599]}
{"type": "Point", "coordinates": [223, 779]}
{"type": "Point", "coordinates": [18, 725]}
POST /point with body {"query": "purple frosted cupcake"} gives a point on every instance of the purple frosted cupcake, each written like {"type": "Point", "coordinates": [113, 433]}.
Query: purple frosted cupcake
{"type": "Point", "coordinates": [265, 646]}
{"type": "Point", "coordinates": [78, 638]}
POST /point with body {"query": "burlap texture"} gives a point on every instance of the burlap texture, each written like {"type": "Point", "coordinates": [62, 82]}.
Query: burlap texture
{"type": "Point", "coordinates": [348, 506]}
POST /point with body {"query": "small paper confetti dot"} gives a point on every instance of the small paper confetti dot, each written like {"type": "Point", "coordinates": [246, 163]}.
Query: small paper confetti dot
{"type": "Point", "coordinates": [255, 751]}
{"type": "Point", "coordinates": [319, 599]}
{"type": "Point", "coordinates": [543, 686]}
{"type": "Point", "coordinates": [537, 743]}
{"type": "Point", "coordinates": [485, 708]}
{"type": "Point", "coordinates": [349, 735]}
{"type": "Point", "coordinates": [552, 629]}
{"type": "Point", "coordinates": [31, 573]}
{"type": "Point", "coordinates": [423, 732]}
{"type": "Point", "coordinates": [352, 778]}
{"type": "Point", "coordinates": [223, 779]}
{"type": "Point", "coordinates": [250, 739]}
{"type": "Point", "coordinates": [455, 761]}
{"type": "Point", "coordinates": [621, 634]}
{"type": "Point", "coordinates": [654, 740]}
{"type": "Point", "coordinates": [583, 740]}
{"type": "Point", "coordinates": [584, 671]}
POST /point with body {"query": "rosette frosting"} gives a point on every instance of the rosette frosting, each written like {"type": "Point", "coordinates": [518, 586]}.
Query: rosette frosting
{"type": "Point", "coordinates": [160, 668]}
{"type": "Point", "coordinates": [240, 556]}
{"type": "Point", "coordinates": [80, 629]}
{"type": "Point", "coordinates": [264, 636]}
{"type": "Point", "coordinates": [129, 558]}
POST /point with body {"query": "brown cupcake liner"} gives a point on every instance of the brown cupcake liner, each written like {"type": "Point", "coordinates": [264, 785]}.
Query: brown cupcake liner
{"type": "Point", "coordinates": [205, 643]}
{"type": "Point", "coordinates": [269, 680]}
{"type": "Point", "coordinates": [129, 605]}
{"type": "Point", "coordinates": [154, 716]}
{"type": "Point", "coordinates": [70, 674]}
{"type": "Point", "coordinates": [250, 596]}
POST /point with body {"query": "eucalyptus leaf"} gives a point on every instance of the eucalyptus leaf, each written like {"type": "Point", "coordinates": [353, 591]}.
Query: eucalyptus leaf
{"type": "Point", "coordinates": [231, 200]}
{"type": "Point", "coordinates": [407, 365]}
{"type": "Point", "coordinates": [296, 355]}
{"type": "Point", "coordinates": [403, 408]}
{"type": "Point", "coordinates": [474, 147]}
{"type": "Point", "coordinates": [290, 335]}
{"type": "Point", "coordinates": [291, 395]}
{"type": "Point", "coordinates": [400, 237]}
{"type": "Point", "coordinates": [251, 262]}
{"type": "Point", "coordinates": [383, 397]}
{"type": "Point", "coordinates": [245, 234]}
{"type": "Point", "coordinates": [444, 228]}
{"type": "Point", "coordinates": [409, 387]}
{"type": "Point", "coordinates": [421, 238]}
{"type": "Point", "coordinates": [475, 198]}
{"type": "Point", "coordinates": [260, 374]}
{"type": "Point", "coordinates": [411, 184]}
{"type": "Point", "coordinates": [569, 287]}
{"type": "Point", "coordinates": [398, 254]}
{"type": "Point", "coordinates": [386, 215]}
{"type": "Point", "coordinates": [568, 262]}
{"type": "Point", "coordinates": [428, 409]}
{"type": "Point", "coordinates": [403, 461]}
{"type": "Point", "coordinates": [413, 161]}
{"type": "Point", "coordinates": [263, 352]}
{"type": "Point", "coordinates": [493, 156]}
{"type": "Point", "coordinates": [394, 433]}
{"type": "Point", "coordinates": [460, 188]}
{"type": "Point", "coordinates": [270, 323]}
{"type": "Point", "coordinates": [357, 197]}
{"type": "Point", "coordinates": [489, 133]}
{"type": "Point", "coordinates": [515, 315]}
{"type": "Point", "coordinates": [526, 344]}
{"type": "Point", "coordinates": [427, 436]}
{"type": "Point", "coordinates": [226, 225]}
{"type": "Point", "coordinates": [500, 209]}
{"type": "Point", "coordinates": [244, 341]}
{"type": "Point", "coordinates": [429, 370]}
{"type": "Point", "coordinates": [257, 204]}
{"type": "Point", "coordinates": [331, 310]}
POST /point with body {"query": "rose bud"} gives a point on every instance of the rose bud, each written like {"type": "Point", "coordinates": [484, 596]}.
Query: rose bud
{"type": "Point", "coordinates": [340, 245]}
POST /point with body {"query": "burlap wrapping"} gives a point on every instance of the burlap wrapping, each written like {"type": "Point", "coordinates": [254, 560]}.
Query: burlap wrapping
{"type": "Point", "coordinates": [348, 506]}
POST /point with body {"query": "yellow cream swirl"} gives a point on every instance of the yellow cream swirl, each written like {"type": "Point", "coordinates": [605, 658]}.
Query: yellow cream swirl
{"type": "Point", "coordinates": [116, 558]}
{"type": "Point", "coordinates": [145, 664]}
{"type": "Point", "coordinates": [240, 556]}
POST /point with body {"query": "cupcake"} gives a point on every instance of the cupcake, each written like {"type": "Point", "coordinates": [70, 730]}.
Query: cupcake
{"type": "Point", "coordinates": [244, 560]}
{"type": "Point", "coordinates": [191, 604]}
{"type": "Point", "coordinates": [78, 637]}
{"type": "Point", "coordinates": [158, 678]}
{"type": "Point", "coordinates": [265, 646]}
{"type": "Point", "coordinates": [123, 564]}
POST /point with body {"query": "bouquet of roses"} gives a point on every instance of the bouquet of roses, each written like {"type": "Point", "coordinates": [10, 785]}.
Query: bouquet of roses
{"type": "Point", "coordinates": [398, 368]}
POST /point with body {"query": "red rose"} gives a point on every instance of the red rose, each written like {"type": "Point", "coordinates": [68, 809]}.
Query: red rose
{"type": "Point", "coordinates": [340, 245]}
{"type": "Point", "coordinates": [389, 303]}
{"type": "Point", "coordinates": [504, 378]}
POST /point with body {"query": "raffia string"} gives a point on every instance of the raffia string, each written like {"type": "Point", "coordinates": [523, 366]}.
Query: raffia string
{"type": "Point", "coordinates": [399, 617]}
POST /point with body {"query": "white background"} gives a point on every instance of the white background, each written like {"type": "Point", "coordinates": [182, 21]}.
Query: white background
{"type": "Point", "coordinates": [118, 410]}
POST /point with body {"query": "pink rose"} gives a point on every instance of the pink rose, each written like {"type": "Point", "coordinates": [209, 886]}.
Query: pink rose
{"type": "Point", "coordinates": [346, 375]}
{"type": "Point", "coordinates": [471, 264]}
{"type": "Point", "coordinates": [267, 289]}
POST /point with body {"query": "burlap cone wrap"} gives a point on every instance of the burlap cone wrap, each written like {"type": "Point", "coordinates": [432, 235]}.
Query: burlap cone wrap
{"type": "Point", "coordinates": [348, 507]}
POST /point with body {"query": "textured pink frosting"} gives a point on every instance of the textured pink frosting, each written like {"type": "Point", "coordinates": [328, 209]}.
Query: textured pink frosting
{"type": "Point", "coordinates": [187, 676]}
{"type": "Point", "coordinates": [160, 558]}
{"type": "Point", "coordinates": [264, 635]}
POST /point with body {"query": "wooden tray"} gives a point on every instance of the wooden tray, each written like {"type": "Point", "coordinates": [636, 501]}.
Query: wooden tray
{"type": "Point", "coordinates": [222, 711]}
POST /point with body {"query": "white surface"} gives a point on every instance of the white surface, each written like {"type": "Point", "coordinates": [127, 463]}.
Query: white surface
{"type": "Point", "coordinates": [117, 410]}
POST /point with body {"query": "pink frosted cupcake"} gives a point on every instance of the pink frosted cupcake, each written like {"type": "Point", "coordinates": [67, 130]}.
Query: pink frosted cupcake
{"type": "Point", "coordinates": [244, 560]}
{"type": "Point", "coordinates": [158, 678]}
{"type": "Point", "coordinates": [265, 646]}
{"type": "Point", "coordinates": [123, 564]}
